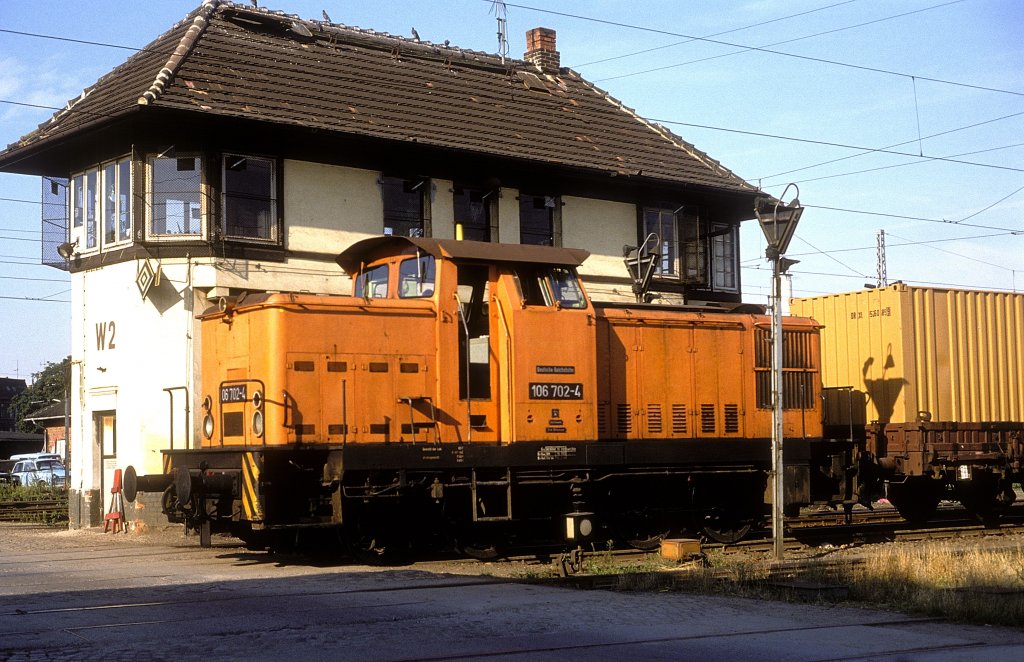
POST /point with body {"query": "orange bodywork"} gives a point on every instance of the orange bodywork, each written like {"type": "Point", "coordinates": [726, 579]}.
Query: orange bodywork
{"type": "Point", "coordinates": [536, 359]}
{"type": "Point", "coordinates": [682, 374]}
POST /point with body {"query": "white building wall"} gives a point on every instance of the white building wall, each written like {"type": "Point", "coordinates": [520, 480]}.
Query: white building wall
{"type": "Point", "coordinates": [603, 228]}
{"type": "Point", "coordinates": [508, 216]}
{"type": "Point", "coordinates": [442, 209]}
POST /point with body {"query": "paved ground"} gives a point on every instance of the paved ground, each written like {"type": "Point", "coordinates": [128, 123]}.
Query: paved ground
{"type": "Point", "coordinates": [89, 596]}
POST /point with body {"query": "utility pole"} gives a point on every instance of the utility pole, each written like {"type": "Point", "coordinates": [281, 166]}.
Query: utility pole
{"type": "Point", "coordinates": [883, 279]}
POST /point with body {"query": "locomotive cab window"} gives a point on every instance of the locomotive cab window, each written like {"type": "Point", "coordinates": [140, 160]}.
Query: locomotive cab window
{"type": "Point", "coordinates": [554, 286]}
{"type": "Point", "coordinates": [373, 283]}
{"type": "Point", "coordinates": [416, 277]}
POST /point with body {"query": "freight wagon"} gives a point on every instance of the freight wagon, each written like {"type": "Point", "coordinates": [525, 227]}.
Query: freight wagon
{"type": "Point", "coordinates": [931, 382]}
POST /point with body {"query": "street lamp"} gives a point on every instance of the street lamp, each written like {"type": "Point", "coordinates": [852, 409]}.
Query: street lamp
{"type": "Point", "coordinates": [778, 228]}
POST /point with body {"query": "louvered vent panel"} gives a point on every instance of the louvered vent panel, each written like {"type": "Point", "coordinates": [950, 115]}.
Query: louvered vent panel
{"type": "Point", "coordinates": [654, 418]}
{"type": "Point", "coordinates": [732, 419]}
{"type": "Point", "coordinates": [707, 418]}
{"type": "Point", "coordinates": [678, 419]}
{"type": "Point", "coordinates": [624, 419]}
{"type": "Point", "coordinates": [602, 419]}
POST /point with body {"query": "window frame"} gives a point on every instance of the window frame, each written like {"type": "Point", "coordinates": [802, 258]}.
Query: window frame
{"type": "Point", "coordinates": [489, 202]}
{"type": "Point", "coordinates": [422, 187]}
{"type": "Point", "coordinates": [201, 195]}
{"type": "Point", "coordinates": [552, 203]}
{"type": "Point", "coordinates": [271, 199]}
{"type": "Point", "coordinates": [424, 287]}
{"type": "Point", "coordinates": [701, 255]}
{"type": "Point", "coordinates": [92, 208]}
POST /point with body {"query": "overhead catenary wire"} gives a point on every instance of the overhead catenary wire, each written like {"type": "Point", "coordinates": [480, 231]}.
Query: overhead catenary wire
{"type": "Point", "coordinates": [902, 165]}
{"type": "Point", "coordinates": [716, 34]}
{"type": "Point", "coordinates": [765, 49]}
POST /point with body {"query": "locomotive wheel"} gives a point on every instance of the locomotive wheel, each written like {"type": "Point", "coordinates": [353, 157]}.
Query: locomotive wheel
{"type": "Point", "coordinates": [372, 549]}
{"type": "Point", "coordinates": [481, 551]}
{"type": "Point", "coordinates": [915, 499]}
{"type": "Point", "coordinates": [725, 528]}
{"type": "Point", "coordinates": [642, 533]}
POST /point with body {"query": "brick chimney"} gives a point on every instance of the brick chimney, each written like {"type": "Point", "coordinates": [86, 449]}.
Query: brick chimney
{"type": "Point", "coordinates": [540, 50]}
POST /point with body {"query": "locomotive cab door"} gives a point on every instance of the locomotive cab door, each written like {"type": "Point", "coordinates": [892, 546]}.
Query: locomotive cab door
{"type": "Point", "coordinates": [476, 354]}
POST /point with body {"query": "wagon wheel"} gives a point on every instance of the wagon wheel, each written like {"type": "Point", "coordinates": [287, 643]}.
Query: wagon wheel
{"type": "Point", "coordinates": [984, 497]}
{"type": "Point", "coordinates": [915, 499]}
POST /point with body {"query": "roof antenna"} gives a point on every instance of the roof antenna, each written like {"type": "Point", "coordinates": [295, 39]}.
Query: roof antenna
{"type": "Point", "coordinates": [498, 7]}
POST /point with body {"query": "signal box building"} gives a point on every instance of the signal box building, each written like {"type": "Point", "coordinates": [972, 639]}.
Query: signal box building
{"type": "Point", "coordinates": [244, 149]}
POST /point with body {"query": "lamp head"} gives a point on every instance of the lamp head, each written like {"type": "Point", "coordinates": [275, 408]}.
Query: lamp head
{"type": "Point", "coordinates": [67, 249]}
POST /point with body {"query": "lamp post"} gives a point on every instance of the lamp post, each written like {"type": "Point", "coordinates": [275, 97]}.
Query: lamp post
{"type": "Point", "coordinates": [778, 229]}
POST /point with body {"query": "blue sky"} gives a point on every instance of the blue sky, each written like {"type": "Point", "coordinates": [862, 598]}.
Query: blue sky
{"type": "Point", "coordinates": [902, 115]}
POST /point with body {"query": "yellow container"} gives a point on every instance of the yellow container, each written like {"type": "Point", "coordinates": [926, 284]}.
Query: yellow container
{"type": "Point", "coordinates": [913, 354]}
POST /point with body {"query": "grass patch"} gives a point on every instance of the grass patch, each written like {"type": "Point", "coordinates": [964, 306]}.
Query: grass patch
{"type": "Point", "coordinates": [943, 579]}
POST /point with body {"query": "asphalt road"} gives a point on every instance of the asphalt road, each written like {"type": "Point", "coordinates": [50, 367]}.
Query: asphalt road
{"type": "Point", "coordinates": [82, 595]}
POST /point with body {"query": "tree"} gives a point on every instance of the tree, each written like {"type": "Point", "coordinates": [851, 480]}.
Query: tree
{"type": "Point", "coordinates": [47, 385]}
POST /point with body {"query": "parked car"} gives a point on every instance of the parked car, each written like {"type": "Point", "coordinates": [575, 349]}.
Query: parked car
{"type": "Point", "coordinates": [44, 471]}
{"type": "Point", "coordinates": [5, 470]}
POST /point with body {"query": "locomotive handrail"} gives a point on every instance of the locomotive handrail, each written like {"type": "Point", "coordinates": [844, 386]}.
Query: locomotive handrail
{"type": "Point", "coordinates": [170, 393]}
{"type": "Point", "coordinates": [509, 368]}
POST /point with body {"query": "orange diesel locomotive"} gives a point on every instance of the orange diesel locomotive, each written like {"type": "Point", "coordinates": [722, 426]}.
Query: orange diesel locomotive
{"type": "Point", "coordinates": [471, 394]}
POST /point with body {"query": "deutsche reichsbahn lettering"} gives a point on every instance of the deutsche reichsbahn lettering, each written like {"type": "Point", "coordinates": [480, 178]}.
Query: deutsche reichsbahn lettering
{"type": "Point", "coordinates": [555, 391]}
{"type": "Point", "coordinates": [556, 370]}
{"type": "Point", "coordinates": [234, 393]}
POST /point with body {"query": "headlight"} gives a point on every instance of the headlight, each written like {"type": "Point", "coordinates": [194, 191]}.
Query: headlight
{"type": "Point", "coordinates": [208, 426]}
{"type": "Point", "coordinates": [257, 423]}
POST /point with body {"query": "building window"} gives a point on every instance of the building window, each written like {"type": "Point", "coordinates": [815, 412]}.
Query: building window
{"type": "Point", "coordinates": [406, 206]}
{"type": "Point", "coordinates": [474, 212]}
{"type": "Point", "coordinates": [539, 220]}
{"type": "Point", "coordinates": [91, 195]}
{"type": "Point", "coordinates": [724, 257]}
{"type": "Point", "coordinates": [175, 195]}
{"type": "Point", "coordinates": [694, 251]}
{"type": "Point", "coordinates": [249, 198]}
{"type": "Point", "coordinates": [77, 201]}
{"type": "Point", "coordinates": [101, 204]}
{"type": "Point", "coordinates": [662, 224]}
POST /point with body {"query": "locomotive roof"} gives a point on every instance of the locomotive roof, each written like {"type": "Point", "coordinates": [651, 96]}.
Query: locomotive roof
{"type": "Point", "coordinates": [478, 251]}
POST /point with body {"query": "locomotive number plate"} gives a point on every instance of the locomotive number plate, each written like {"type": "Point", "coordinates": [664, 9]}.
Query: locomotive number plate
{"type": "Point", "coordinates": [234, 393]}
{"type": "Point", "coordinates": [555, 391]}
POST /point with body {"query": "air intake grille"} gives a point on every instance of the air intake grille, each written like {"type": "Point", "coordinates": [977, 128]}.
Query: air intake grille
{"type": "Point", "coordinates": [654, 418]}
{"type": "Point", "coordinates": [678, 419]}
{"type": "Point", "coordinates": [732, 419]}
{"type": "Point", "coordinates": [707, 418]}
{"type": "Point", "coordinates": [624, 419]}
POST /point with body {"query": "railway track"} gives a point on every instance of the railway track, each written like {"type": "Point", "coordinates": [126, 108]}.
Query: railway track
{"type": "Point", "coordinates": [36, 510]}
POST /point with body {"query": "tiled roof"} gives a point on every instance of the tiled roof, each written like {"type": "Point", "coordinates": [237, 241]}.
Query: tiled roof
{"type": "Point", "coordinates": [230, 60]}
